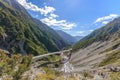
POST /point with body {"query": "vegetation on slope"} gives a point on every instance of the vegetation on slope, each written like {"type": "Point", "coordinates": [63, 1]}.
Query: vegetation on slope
{"type": "Point", "coordinates": [102, 34]}
{"type": "Point", "coordinates": [54, 75]}
{"type": "Point", "coordinates": [18, 67]}
{"type": "Point", "coordinates": [112, 57]}
{"type": "Point", "coordinates": [19, 32]}
{"type": "Point", "coordinates": [13, 68]}
{"type": "Point", "coordinates": [115, 76]}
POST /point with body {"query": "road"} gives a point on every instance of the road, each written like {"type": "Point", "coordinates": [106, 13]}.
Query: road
{"type": "Point", "coordinates": [48, 54]}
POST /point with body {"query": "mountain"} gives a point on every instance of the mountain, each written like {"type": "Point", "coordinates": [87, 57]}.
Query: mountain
{"type": "Point", "coordinates": [67, 37]}
{"type": "Point", "coordinates": [104, 33]}
{"type": "Point", "coordinates": [99, 52]}
{"type": "Point", "coordinates": [78, 38]}
{"type": "Point", "coordinates": [20, 33]}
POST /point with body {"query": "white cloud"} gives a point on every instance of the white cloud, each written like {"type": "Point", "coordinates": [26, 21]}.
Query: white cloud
{"type": "Point", "coordinates": [36, 16]}
{"type": "Point", "coordinates": [51, 20]}
{"type": "Point", "coordinates": [48, 13]}
{"type": "Point", "coordinates": [106, 19]}
{"type": "Point", "coordinates": [105, 22]}
{"type": "Point", "coordinates": [30, 6]}
{"type": "Point", "coordinates": [83, 32]}
{"type": "Point", "coordinates": [91, 30]}
{"type": "Point", "coordinates": [59, 23]}
{"type": "Point", "coordinates": [80, 32]}
{"type": "Point", "coordinates": [53, 15]}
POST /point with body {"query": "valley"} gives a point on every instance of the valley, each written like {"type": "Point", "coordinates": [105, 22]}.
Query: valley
{"type": "Point", "coordinates": [30, 49]}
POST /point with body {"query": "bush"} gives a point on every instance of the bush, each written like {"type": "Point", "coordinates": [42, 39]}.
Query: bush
{"type": "Point", "coordinates": [14, 66]}
{"type": "Point", "coordinates": [88, 75]}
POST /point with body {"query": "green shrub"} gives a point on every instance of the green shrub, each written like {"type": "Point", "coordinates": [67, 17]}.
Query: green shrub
{"type": "Point", "coordinates": [14, 66]}
{"type": "Point", "coordinates": [88, 75]}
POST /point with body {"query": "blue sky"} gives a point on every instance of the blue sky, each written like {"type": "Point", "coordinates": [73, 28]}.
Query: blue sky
{"type": "Point", "coordinates": [76, 17]}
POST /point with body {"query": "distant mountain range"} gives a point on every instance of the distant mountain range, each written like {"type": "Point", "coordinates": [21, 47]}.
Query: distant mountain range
{"type": "Point", "coordinates": [67, 37]}
{"type": "Point", "coordinates": [78, 38]}
{"type": "Point", "coordinates": [104, 33]}
{"type": "Point", "coordinates": [20, 33]}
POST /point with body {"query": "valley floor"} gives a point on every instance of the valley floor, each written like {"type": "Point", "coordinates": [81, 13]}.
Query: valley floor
{"type": "Point", "coordinates": [99, 61]}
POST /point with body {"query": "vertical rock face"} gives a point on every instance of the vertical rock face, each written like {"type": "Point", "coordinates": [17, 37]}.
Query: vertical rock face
{"type": "Point", "coordinates": [20, 33]}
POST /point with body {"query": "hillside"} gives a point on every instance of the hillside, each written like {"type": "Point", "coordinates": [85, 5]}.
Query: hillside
{"type": "Point", "coordinates": [103, 34]}
{"type": "Point", "coordinates": [20, 33]}
{"type": "Point", "coordinates": [103, 43]}
{"type": "Point", "coordinates": [98, 54]}
{"type": "Point", "coordinates": [70, 39]}
{"type": "Point", "coordinates": [24, 42]}
{"type": "Point", "coordinates": [78, 38]}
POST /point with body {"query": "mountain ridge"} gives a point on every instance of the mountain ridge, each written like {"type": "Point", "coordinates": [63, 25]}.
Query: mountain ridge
{"type": "Point", "coordinates": [98, 54]}
{"type": "Point", "coordinates": [19, 26]}
{"type": "Point", "coordinates": [104, 33]}
{"type": "Point", "coordinates": [69, 38]}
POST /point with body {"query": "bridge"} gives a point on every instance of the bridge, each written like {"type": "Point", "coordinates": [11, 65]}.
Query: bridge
{"type": "Point", "coordinates": [65, 54]}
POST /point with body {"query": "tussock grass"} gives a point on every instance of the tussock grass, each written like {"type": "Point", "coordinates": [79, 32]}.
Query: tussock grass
{"type": "Point", "coordinates": [112, 57]}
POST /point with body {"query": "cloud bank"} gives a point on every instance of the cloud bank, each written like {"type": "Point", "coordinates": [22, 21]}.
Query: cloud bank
{"type": "Point", "coordinates": [48, 12]}
{"type": "Point", "coordinates": [106, 19]}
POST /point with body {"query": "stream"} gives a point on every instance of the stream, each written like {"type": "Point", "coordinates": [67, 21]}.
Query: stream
{"type": "Point", "coordinates": [67, 67]}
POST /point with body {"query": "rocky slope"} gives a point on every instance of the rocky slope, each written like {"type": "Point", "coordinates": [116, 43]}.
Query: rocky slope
{"type": "Point", "coordinates": [103, 34]}
{"type": "Point", "coordinates": [20, 33]}
{"type": "Point", "coordinates": [98, 54]}
{"type": "Point", "coordinates": [105, 40]}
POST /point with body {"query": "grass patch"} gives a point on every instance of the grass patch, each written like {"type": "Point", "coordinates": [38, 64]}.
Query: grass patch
{"type": "Point", "coordinates": [115, 76]}
{"type": "Point", "coordinates": [111, 58]}
{"type": "Point", "coordinates": [14, 66]}
{"type": "Point", "coordinates": [54, 75]}
{"type": "Point", "coordinates": [112, 47]}
{"type": "Point", "coordinates": [88, 75]}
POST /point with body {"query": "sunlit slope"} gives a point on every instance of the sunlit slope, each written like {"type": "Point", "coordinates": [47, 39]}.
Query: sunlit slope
{"type": "Point", "coordinates": [100, 48]}
{"type": "Point", "coordinates": [102, 34]}
{"type": "Point", "coordinates": [20, 33]}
